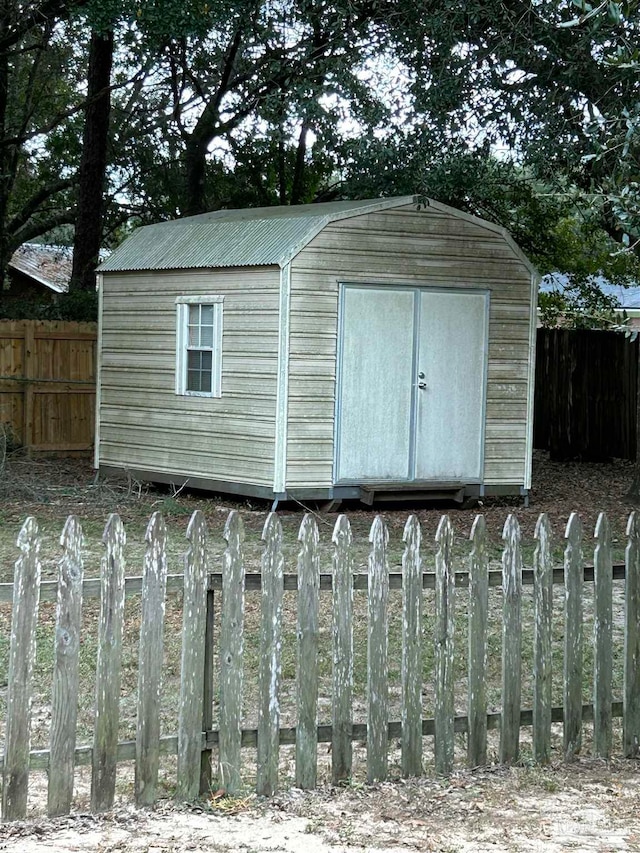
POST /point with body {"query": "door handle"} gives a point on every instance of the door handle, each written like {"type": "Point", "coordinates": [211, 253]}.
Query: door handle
{"type": "Point", "coordinates": [422, 385]}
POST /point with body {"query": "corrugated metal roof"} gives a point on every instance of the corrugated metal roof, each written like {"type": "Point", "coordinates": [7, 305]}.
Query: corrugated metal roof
{"type": "Point", "coordinates": [229, 238]}
{"type": "Point", "coordinates": [255, 236]}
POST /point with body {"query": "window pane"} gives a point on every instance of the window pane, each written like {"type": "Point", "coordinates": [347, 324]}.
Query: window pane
{"type": "Point", "coordinates": [199, 365]}
{"type": "Point", "coordinates": [201, 325]}
{"type": "Point", "coordinates": [206, 336]}
{"type": "Point", "coordinates": [193, 380]}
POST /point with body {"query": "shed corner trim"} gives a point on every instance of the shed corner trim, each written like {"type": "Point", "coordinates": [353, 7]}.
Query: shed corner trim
{"type": "Point", "coordinates": [282, 392]}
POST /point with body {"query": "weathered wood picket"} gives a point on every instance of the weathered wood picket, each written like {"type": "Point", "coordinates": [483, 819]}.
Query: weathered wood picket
{"type": "Point", "coordinates": [456, 588]}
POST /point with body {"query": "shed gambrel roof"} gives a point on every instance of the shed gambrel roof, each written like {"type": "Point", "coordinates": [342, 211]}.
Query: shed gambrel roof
{"type": "Point", "coordinates": [260, 236]}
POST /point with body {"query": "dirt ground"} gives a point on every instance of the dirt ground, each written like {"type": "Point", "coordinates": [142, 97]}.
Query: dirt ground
{"type": "Point", "coordinates": [588, 805]}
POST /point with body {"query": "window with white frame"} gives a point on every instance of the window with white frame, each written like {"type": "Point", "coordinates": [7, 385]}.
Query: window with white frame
{"type": "Point", "coordinates": [199, 345]}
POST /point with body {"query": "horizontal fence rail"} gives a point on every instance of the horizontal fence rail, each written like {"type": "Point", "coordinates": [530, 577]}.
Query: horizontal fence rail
{"type": "Point", "coordinates": [253, 582]}
{"type": "Point", "coordinates": [215, 624]}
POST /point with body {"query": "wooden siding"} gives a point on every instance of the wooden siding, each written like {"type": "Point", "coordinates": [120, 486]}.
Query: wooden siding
{"type": "Point", "coordinates": [403, 246]}
{"type": "Point", "coordinates": [143, 423]}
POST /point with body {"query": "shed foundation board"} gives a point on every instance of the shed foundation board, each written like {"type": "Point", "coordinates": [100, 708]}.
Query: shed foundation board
{"type": "Point", "coordinates": [222, 487]}
{"type": "Point", "coordinates": [369, 494]}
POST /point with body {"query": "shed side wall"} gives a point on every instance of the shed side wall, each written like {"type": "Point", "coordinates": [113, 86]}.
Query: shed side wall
{"type": "Point", "coordinates": [143, 423]}
{"type": "Point", "coordinates": [404, 246]}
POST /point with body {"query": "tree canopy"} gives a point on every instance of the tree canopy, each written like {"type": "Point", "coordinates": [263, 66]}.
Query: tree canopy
{"type": "Point", "coordinates": [116, 112]}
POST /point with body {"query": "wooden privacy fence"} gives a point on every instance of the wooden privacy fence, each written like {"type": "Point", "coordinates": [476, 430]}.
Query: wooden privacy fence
{"type": "Point", "coordinates": [196, 738]}
{"type": "Point", "coordinates": [47, 384]}
{"type": "Point", "coordinates": [585, 394]}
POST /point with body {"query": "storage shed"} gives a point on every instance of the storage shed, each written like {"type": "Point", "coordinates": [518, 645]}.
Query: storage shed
{"type": "Point", "coordinates": [361, 349]}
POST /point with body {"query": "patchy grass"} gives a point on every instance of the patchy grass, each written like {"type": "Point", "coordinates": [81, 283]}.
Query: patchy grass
{"type": "Point", "coordinates": [52, 489]}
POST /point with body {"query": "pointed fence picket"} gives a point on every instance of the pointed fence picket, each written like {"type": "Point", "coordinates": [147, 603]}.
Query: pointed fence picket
{"type": "Point", "coordinates": [478, 616]}
{"type": "Point", "coordinates": [108, 668]}
{"type": "Point", "coordinates": [602, 639]}
{"type": "Point", "coordinates": [411, 650]}
{"type": "Point", "coordinates": [542, 640]}
{"type": "Point", "coordinates": [444, 648]}
{"type": "Point", "coordinates": [22, 653]}
{"type": "Point", "coordinates": [377, 665]}
{"type": "Point", "coordinates": [342, 716]}
{"type": "Point", "coordinates": [631, 700]}
{"type": "Point", "coordinates": [511, 641]}
{"type": "Point", "coordinates": [307, 671]}
{"type": "Point", "coordinates": [573, 618]}
{"type": "Point", "coordinates": [196, 736]}
{"type": "Point", "coordinates": [64, 700]}
{"type": "Point", "coordinates": [270, 658]}
{"type": "Point", "coordinates": [194, 616]}
{"type": "Point", "coordinates": [150, 656]}
{"type": "Point", "coordinates": [231, 649]}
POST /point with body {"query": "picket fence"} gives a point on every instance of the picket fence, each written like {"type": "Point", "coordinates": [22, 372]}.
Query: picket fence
{"type": "Point", "coordinates": [196, 739]}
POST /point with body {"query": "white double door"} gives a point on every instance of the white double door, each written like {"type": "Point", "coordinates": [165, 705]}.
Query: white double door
{"type": "Point", "coordinates": [411, 384]}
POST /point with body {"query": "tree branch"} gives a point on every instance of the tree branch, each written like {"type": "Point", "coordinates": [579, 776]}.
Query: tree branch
{"type": "Point", "coordinates": [38, 227]}
{"type": "Point", "coordinates": [31, 207]}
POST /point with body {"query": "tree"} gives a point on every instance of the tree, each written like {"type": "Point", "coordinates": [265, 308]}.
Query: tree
{"type": "Point", "coordinates": [554, 83]}
{"type": "Point", "coordinates": [38, 82]}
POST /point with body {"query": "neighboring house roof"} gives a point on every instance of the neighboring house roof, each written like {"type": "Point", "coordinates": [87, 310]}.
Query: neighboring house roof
{"type": "Point", "coordinates": [47, 265]}
{"type": "Point", "coordinates": [628, 298]}
{"type": "Point", "coordinates": [252, 237]}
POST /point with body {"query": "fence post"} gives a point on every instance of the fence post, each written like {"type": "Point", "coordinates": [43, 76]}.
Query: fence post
{"type": "Point", "coordinates": [511, 641]}
{"type": "Point", "coordinates": [231, 650]}
{"type": "Point", "coordinates": [542, 628]}
{"type": "Point", "coordinates": [307, 680]}
{"type": "Point", "coordinates": [22, 653]}
{"type": "Point", "coordinates": [377, 667]}
{"type": "Point", "coordinates": [478, 610]}
{"type": "Point", "coordinates": [150, 657]}
{"type": "Point", "coordinates": [631, 700]}
{"type": "Point", "coordinates": [341, 751]}
{"type": "Point", "coordinates": [444, 648]}
{"type": "Point", "coordinates": [194, 616]}
{"type": "Point", "coordinates": [602, 639]}
{"type": "Point", "coordinates": [108, 668]}
{"type": "Point", "coordinates": [411, 648]}
{"type": "Point", "coordinates": [573, 582]}
{"type": "Point", "coordinates": [270, 658]}
{"type": "Point", "coordinates": [64, 701]}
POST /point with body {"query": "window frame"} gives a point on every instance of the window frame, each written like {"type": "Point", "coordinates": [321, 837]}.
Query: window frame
{"type": "Point", "coordinates": [183, 303]}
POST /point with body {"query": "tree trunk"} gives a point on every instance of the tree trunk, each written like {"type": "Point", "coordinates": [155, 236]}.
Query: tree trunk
{"type": "Point", "coordinates": [93, 164]}
{"type": "Point", "coordinates": [297, 188]}
{"type": "Point", "coordinates": [195, 159]}
{"type": "Point", "coordinates": [197, 143]}
{"type": "Point", "coordinates": [4, 151]}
